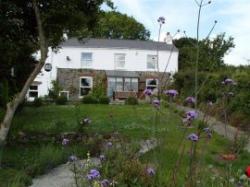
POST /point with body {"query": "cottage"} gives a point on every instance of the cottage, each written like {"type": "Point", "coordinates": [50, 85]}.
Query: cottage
{"type": "Point", "coordinates": [122, 67]}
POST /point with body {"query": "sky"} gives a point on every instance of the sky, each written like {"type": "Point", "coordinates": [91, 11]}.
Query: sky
{"type": "Point", "coordinates": [233, 17]}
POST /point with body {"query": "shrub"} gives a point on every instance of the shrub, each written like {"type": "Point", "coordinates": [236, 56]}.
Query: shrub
{"type": "Point", "coordinates": [89, 99]}
{"type": "Point", "coordinates": [131, 101]}
{"type": "Point", "coordinates": [61, 100]}
{"type": "Point", "coordinates": [37, 102]}
{"type": "Point", "coordinates": [54, 91]}
{"type": "Point", "coordinates": [104, 100]}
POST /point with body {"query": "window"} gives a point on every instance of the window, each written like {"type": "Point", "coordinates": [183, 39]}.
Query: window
{"type": "Point", "coordinates": [86, 60]}
{"type": "Point", "coordinates": [122, 84]}
{"type": "Point", "coordinates": [33, 91]}
{"type": "Point", "coordinates": [152, 62]}
{"type": "Point", "coordinates": [65, 94]}
{"type": "Point", "coordinates": [86, 84]}
{"type": "Point", "coordinates": [151, 83]}
{"type": "Point", "coordinates": [130, 84]}
{"type": "Point", "coordinates": [119, 61]}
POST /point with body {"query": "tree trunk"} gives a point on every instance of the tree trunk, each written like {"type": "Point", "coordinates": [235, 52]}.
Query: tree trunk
{"type": "Point", "coordinates": [19, 98]}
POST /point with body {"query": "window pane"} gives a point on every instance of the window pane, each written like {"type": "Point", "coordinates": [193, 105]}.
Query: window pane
{"type": "Point", "coordinates": [127, 84]}
{"type": "Point", "coordinates": [86, 82]}
{"type": "Point", "coordinates": [151, 83]}
{"type": "Point", "coordinates": [111, 86]}
{"type": "Point", "coordinates": [84, 91]}
{"type": "Point", "coordinates": [151, 61]}
{"type": "Point", "coordinates": [120, 60]}
{"type": "Point", "coordinates": [34, 87]}
{"type": "Point", "coordinates": [119, 84]}
{"type": "Point", "coordinates": [86, 59]}
{"type": "Point", "coordinates": [33, 94]}
{"type": "Point", "coordinates": [134, 85]}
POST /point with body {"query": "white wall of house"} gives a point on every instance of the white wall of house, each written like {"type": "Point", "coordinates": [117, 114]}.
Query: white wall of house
{"type": "Point", "coordinates": [103, 59]}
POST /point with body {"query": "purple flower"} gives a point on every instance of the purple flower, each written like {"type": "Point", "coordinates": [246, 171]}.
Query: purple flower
{"type": "Point", "coordinates": [208, 132]}
{"type": "Point", "coordinates": [93, 174]}
{"type": "Point", "coordinates": [156, 103]}
{"type": "Point", "coordinates": [109, 144]}
{"type": "Point", "coordinates": [171, 93]}
{"type": "Point", "coordinates": [161, 20]}
{"type": "Point", "coordinates": [193, 137]}
{"type": "Point", "coordinates": [228, 82]}
{"type": "Point", "coordinates": [105, 183]}
{"type": "Point", "coordinates": [150, 171]}
{"type": "Point", "coordinates": [102, 157]}
{"type": "Point", "coordinates": [72, 158]}
{"type": "Point", "coordinates": [190, 100]}
{"type": "Point", "coordinates": [65, 141]}
{"type": "Point", "coordinates": [191, 115]}
{"type": "Point", "coordinates": [148, 92]}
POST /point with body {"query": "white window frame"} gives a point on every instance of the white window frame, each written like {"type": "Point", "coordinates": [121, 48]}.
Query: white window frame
{"type": "Point", "coordinates": [88, 61]}
{"type": "Point", "coordinates": [150, 57]}
{"type": "Point", "coordinates": [80, 84]}
{"type": "Point", "coordinates": [33, 90]}
{"type": "Point", "coordinates": [64, 91]}
{"type": "Point", "coordinates": [150, 79]}
{"type": "Point", "coordinates": [116, 56]}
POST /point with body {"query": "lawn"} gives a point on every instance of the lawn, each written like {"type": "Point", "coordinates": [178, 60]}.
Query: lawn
{"type": "Point", "coordinates": [21, 161]}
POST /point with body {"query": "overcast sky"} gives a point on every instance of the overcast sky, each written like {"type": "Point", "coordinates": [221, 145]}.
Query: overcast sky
{"type": "Point", "coordinates": [233, 18]}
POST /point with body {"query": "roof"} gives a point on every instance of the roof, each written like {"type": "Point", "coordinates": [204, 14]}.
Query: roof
{"type": "Point", "coordinates": [116, 73]}
{"type": "Point", "coordinates": [118, 43]}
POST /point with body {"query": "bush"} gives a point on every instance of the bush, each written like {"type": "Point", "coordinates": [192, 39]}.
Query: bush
{"type": "Point", "coordinates": [104, 100]}
{"type": "Point", "coordinates": [131, 101]}
{"type": "Point", "coordinates": [37, 102]}
{"type": "Point", "coordinates": [89, 99]}
{"type": "Point", "coordinates": [61, 100]}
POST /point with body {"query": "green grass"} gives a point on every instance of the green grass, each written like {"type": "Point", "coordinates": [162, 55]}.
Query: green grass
{"type": "Point", "coordinates": [133, 122]}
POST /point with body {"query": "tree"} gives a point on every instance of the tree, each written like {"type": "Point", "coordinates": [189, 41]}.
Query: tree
{"type": "Point", "coordinates": [116, 25]}
{"type": "Point", "coordinates": [40, 24]}
{"type": "Point", "coordinates": [211, 54]}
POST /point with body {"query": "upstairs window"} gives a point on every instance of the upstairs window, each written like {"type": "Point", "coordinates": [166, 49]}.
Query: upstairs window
{"type": "Point", "coordinates": [119, 61]}
{"type": "Point", "coordinates": [86, 60]}
{"type": "Point", "coordinates": [86, 84]}
{"type": "Point", "coordinates": [33, 91]}
{"type": "Point", "coordinates": [152, 62]}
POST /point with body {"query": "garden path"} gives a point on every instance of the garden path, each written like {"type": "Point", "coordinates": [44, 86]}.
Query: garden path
{"type": "Point", "coordinates": [219, 127]}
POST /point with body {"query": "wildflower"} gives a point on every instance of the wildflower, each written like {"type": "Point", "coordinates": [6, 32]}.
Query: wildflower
{"type": "Point", "coordinates": [208, 132]}
{"type": "Point", "coordinates": [65, 141]}
{"type": "Point", "coordinates": [247, 171]}
{"type": "Point", "coordinates": [148, 92]}
{"type": "Point", "coordinates": [150, 171]}
{"type": "Point", "coordinates": [93, 174]}
{"type": "Point", "coordinates": [171, 93]}
{"type": "Point", "coordinates": [156, 103]}
{"type": "Point", "coordinates": [102, 157]}
{"type": "Point", "coordinates": [109, 144]}
{"type": "Point", "coordinates": [193, 137]}
{"type": "Point", "coordinates": [228, 82]}
{"type": "Point", "coordinates": [72, 158]}
{"type": "Point", "coordinates": [191, 115]}
{"type": "Point", "coordinates": [105, 183]}
{"type": "Point", "coordinates": [190, 100]}
{"type": "Point", "coordinates": [86, 121]}
{"type": "Point", "coordinates": [161, 20]}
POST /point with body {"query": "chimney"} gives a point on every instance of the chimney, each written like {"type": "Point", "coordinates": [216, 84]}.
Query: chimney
{"type": "Point", "coordinates": [168, 39]}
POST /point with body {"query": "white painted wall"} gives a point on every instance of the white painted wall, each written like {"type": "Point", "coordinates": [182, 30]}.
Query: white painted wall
{"type": "Point", "coordinates": [103, 59]}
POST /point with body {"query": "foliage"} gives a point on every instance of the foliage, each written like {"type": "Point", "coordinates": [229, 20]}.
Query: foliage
{"type": "Point", "coordinates": [89, 99]}
{"type": "Point", "coordinates": [99, 89]}
{"type": "Point", "coordinates": [115, 25]}
{"type": "Point", "coordinates": [37, 102]}
{"type": "Point", "coordinates": [212, 52]}
{"type": "Point", "coordinates": [4, 94]}
{"type": "Point", "coordinates": [54, 91]}
{"type": "Point", "coordinates": [131, 101]}
{"type": "Point", "coordinates": [104, 100]}
{"type": "Point", "coordinates": [61, 100]}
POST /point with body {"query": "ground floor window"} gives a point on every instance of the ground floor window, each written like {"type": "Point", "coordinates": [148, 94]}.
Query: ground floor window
{"type": "Point", "coordinates": [33, 91]}
{"type": "Point", "coordinates": [122, 84]}
{"type": "Point", "coordinates": [65, 94]}
{"type": "Point", "coordinates": [86, 84]}
{"type": "Point", "coordinates": [151, 83]}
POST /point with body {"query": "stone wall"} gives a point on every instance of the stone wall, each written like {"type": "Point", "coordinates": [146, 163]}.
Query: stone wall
{"type": "Point", "coordinates": [69, 80]}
